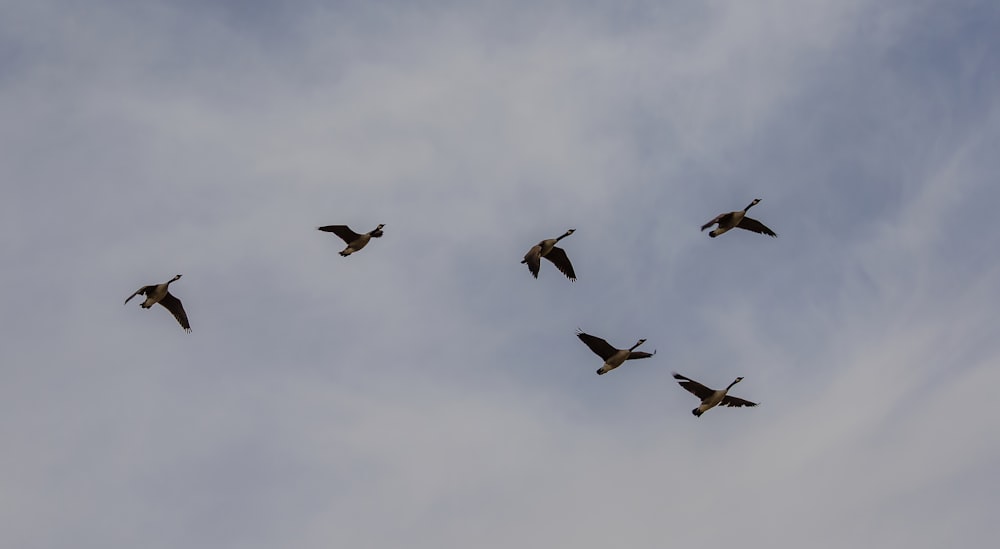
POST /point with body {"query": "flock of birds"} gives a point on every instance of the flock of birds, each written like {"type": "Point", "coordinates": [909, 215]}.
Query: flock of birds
{"type": "Point", "coordinates": [612, 356]}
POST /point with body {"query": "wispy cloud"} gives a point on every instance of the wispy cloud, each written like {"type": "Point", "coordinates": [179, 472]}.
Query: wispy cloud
{"type": "Point", "coordinates": [428, 391]}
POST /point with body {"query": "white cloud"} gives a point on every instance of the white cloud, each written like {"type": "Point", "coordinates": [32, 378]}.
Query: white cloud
{"type": "Point", "coordinates": [427, 391]}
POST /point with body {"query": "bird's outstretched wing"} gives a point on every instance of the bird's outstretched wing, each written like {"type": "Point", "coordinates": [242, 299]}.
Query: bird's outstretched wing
{"type": "Point", "coordinates": [600, 347]}
{"type": "Point", "coordinates": [345, 233]}
{"type": "Point", "coordinates": [639, 354]}
{"type": "Point", "coordinates": [755, 226]}
{"type": "Point", "coordinates": [717, 219]}
{"type": "Point", "coordinates": [693, 387]}
{"type": "Point", "coordinates": [558, 258]}
{"type": "Point", "coordinates": [534, 260]}
{"type": "Point", "coordinates": [140, 291]}
{"type": "Point", "coordinates": [735, 402]}
{"type": "Point", "coordinates": [174, 306]}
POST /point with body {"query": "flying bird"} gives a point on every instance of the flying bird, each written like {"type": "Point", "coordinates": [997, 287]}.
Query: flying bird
{"type": "Point", "coordinates": [548, 249]}
{"type": "Point", "coordinates": [739, 219]}
{"type": "Point", "coordinates": [613, 357]}
{"type": "Point", "coordinates": [157, 293]}
{"type": "Point", "coordinates": [354, 240]}
{"type": "Point", "coordinates": [711, 398]}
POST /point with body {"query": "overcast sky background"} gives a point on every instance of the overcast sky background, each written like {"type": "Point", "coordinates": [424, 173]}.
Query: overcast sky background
{"type": "Point", "coordinates": [427, 392]}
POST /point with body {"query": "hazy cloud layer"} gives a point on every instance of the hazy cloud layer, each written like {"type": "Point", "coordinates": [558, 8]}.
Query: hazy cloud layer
{"type": "Point", "coordinates": [427, 392]}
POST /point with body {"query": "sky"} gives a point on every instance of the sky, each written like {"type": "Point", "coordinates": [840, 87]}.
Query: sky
{"type": "Point", "coordinates": [427, 391]}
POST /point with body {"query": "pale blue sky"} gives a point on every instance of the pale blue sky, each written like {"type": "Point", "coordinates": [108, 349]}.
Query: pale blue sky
{"type": "Point", "coordinates": [427, 392]}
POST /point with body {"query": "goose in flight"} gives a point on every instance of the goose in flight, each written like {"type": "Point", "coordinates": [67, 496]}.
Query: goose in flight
{"type": "Point", "coordinates": [548, 249]}
{"type": "Point", "coordinates": [157, 293]}
{"type": "Point", "coordinates": [354, 240]}
{"type": "Point", "coordinates": [711, 398]}
{"type": "Point", "coordinates": [739, 219]}
{"type": "Point", "coordinates": [613, 357]}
